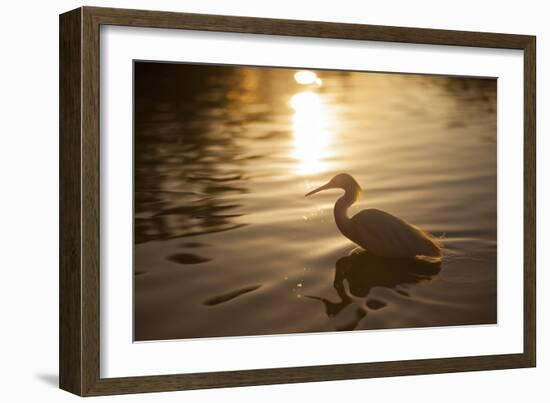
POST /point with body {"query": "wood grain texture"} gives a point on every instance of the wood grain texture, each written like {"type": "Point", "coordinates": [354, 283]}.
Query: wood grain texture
{"type": "Point", "coordinates": [79, 205]}
{"type": "Point", "coordinates": [530, 200]}
{"type": "Point", "coordinates": [90, 202]}
{"type": "Point", "coordinates": [161, 383]}
{"type": "Point", "coordinates": [316, 29]}
{"type": "Point", "coordinates": [70, 271]}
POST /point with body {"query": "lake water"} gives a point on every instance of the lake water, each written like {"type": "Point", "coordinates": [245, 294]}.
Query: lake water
{"type": "Point", "coordinates": [226, 244]}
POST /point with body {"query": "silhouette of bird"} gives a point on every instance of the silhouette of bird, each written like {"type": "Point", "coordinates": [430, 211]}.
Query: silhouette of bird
{"type": "Point", "coordinates": [377, 232]}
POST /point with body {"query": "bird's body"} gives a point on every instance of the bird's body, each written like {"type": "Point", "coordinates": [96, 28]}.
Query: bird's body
{"type": "Point", "coordinates": [376, 231]}
{"type": "Point", "coordinates": [383, 234]}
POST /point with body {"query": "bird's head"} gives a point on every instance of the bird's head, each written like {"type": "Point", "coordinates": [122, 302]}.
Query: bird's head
{"type": "Point", "coordinates": [341, 181]}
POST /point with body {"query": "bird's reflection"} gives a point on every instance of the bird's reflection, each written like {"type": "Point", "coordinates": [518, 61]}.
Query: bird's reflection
{"type": "Point", "coordinates": [362, 272]}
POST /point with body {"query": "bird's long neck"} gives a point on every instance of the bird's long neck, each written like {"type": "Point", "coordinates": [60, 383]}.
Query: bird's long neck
{"type": "Point", "coordinates": [341, 213]}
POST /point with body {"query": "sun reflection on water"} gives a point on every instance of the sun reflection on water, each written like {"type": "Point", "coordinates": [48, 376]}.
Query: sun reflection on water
{"type": "Point", "coordinates": [307, 77]}
{"type": "Point", "coordinates": [311, 134]}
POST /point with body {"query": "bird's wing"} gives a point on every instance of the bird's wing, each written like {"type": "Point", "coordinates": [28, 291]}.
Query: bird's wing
{"type": "Point", "coordinates": [383, 234]}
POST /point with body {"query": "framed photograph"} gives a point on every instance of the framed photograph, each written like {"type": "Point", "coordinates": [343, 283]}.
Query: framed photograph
{"type": "Point", "coordinates": [249, 201]}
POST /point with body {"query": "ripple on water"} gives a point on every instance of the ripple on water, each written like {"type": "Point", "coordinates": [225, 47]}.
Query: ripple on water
{"type": "Point", "coordinates": [220, 299]}
{"type": "Point", "coordinates": [187, 258]}
{"type": "Point", "coordinates": [376, 304]}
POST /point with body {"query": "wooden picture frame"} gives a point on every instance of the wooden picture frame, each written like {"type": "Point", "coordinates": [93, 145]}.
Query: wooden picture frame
{"type": "Point", "coordinates": [79, 201]}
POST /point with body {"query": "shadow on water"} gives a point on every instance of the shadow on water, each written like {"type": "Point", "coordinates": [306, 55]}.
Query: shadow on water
{"type": "Point", "coordinates": [362, 272]}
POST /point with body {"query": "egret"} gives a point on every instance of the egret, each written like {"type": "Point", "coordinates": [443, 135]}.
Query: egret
{"type": "Point", "coordinates": [377, 232]}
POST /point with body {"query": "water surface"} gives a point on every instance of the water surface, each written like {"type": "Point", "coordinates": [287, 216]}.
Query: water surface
{"type": "Point", "coordinates": [226, 244]}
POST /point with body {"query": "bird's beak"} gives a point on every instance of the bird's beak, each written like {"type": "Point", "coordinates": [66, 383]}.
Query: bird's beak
{"type": "Point", "coordinates": [324, 187]}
